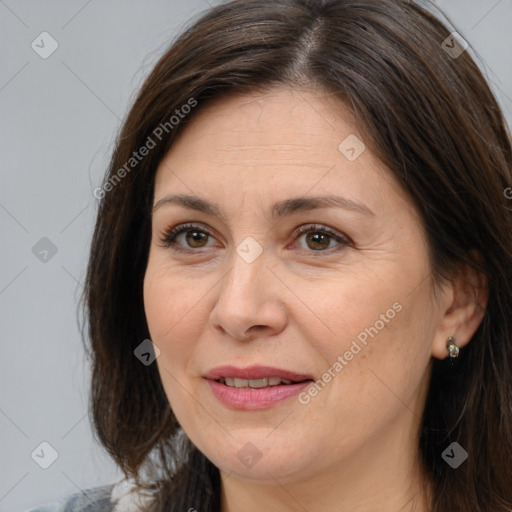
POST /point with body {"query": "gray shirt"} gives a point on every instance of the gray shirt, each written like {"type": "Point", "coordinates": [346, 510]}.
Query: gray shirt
{"type": "Point", "coordinates": [119, 497]}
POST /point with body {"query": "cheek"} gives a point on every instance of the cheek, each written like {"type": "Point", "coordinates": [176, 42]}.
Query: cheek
{"type": "Point", "coordinates": [378, 347]}
{"type": "Point", "coordinates": [171, 307]}
{"type": "Point", "coordinates": [355, 307]}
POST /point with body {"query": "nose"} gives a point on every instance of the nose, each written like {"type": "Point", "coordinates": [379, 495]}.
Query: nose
{"type": "Point", "coordinates": [250, 300]}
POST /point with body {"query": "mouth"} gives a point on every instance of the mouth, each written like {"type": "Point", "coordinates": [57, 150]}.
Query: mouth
{"type": "Point", "coordinates": [255, 376]}
{"type": "Point", "coordinates": [234, 382]}
{"type": "Point", "coordinates": [256, 387]}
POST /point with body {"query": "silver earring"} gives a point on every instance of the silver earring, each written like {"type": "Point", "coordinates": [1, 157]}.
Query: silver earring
{"type": "Point", "coordinates": [452, 347]}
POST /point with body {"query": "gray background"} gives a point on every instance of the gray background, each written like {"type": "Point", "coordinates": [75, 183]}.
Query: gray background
{"type": "Point", "coordinates": [59, 118]}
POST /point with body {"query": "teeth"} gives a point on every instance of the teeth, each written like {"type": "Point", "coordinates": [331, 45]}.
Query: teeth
{"type": "Point", "coordinates": [254, 383]}
{"type": "Point", "coordinates": [258, 383]}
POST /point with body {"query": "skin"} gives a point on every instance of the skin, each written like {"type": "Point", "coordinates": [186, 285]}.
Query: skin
{"type": "Point", "coordinates": [353, 446]}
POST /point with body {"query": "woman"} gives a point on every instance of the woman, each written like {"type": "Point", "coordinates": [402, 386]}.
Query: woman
{"type": "Point", "coordinates": [299, 288]}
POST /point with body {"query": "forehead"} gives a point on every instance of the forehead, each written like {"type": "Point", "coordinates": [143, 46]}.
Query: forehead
{"type": "Point", "coordinates": [282, 120]}
{"type": "Point", "coordinates": [276, 144]}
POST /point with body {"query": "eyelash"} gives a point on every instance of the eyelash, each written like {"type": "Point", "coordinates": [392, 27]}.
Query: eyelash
{"type": "Point", "coordinates": [169, 236]}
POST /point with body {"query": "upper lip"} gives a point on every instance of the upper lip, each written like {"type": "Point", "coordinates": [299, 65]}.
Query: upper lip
{"type": "Point", "coordinates": [254, 372]}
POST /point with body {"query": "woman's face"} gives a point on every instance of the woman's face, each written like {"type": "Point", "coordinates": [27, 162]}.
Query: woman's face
{"type": "Point", "coordinates": [347, 303]}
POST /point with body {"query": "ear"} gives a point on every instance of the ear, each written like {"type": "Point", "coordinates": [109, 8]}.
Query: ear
{"type": "Point", "coordinates": [463, 302]}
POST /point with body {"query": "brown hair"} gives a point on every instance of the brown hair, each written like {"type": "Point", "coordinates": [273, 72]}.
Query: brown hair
{"type": "Point", "coordinates": [433, 121]}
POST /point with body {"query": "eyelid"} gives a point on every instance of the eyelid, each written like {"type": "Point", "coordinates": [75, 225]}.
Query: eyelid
{"type": "Point", "coordinates": [177, 230]}
{"type": "Point", "coordinates": [169, 235]}
{"type": "Point", "coordinates": [314, 227]}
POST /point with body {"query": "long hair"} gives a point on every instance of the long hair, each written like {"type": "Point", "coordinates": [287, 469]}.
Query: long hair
{"type": "Point", "coordinates": [428, 114]}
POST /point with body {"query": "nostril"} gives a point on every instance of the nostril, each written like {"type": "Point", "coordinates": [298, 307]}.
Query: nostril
{"type": "Point", "coordinates": [257, 327]}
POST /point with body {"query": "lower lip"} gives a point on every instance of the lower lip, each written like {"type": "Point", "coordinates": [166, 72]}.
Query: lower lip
{"type": "Point", "coordinates": [251, 399]}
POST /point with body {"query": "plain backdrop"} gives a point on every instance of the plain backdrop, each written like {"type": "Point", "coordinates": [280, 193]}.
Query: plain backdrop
{"type": "Point", "coordinates": [59, 116]}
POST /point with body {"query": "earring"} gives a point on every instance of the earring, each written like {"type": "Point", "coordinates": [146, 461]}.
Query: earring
{"type": "Point", "coordinates": [453, 348]}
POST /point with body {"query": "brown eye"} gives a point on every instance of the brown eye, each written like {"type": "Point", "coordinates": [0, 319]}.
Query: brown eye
{"type": "Point", "coordinates": [319, 238]}
{"type": "Point", "coordinates": [318, 241]}
{"type": "Point", "coordinates": [195, 237]}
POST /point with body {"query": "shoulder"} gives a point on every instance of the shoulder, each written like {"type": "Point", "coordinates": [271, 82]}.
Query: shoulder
{"type": "Point", "coordinates": [118, 497]}
{"type": "Point", "coordinates": [95, 499]}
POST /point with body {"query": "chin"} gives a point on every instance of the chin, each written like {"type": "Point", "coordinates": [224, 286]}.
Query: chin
{"type": "Point", "coordinates": [259, 458]}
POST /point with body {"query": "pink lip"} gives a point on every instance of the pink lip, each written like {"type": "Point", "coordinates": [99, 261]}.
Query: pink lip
{"type": "Point", "coordinates": [253, 399]}
{"type": "Point", "coordinates": [254, 372]}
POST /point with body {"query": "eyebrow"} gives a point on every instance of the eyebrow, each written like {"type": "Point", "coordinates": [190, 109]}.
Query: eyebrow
{"type": "Point", "coordinates": [279, 210]}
